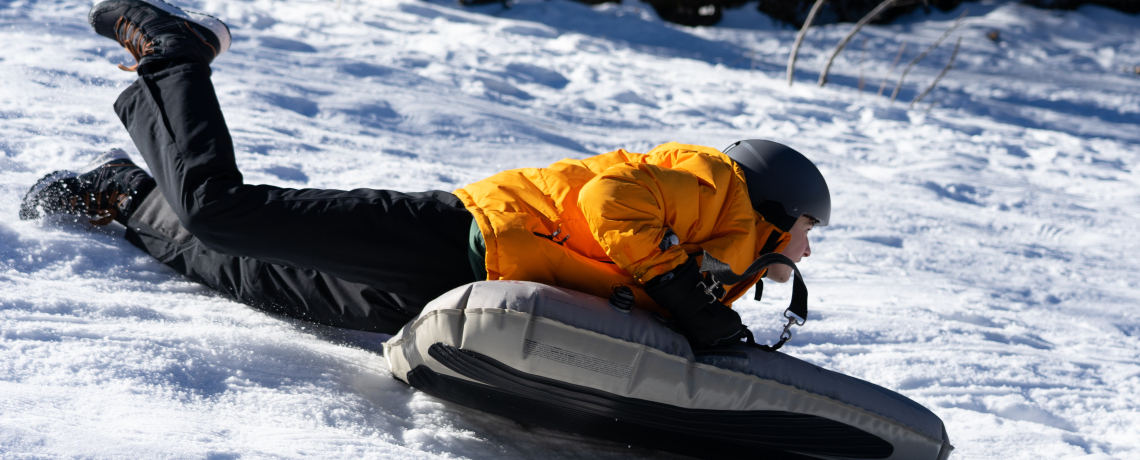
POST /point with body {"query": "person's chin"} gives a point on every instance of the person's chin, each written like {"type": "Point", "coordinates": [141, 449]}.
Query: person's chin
{"type": "Point", "coordinates": [781, 278]}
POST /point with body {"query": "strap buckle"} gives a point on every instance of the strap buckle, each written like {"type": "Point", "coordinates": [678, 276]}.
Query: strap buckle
{"type": "Point", "coordinates": [711, 289]}
{"type": "Point", "coordinates": [793, 320]}
{"type": "Point", "coordinates": [787, 334]}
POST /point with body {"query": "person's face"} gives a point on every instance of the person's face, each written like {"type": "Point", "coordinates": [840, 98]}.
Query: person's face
{"type": "Point", "coordinates": [799, 247]}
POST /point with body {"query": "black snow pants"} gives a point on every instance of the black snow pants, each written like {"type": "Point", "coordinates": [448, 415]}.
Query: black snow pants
{"type": "Point", "coordinates": [362, 259]}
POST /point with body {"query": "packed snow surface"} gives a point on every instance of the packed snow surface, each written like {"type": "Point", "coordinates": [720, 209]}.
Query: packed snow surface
{"type": "Point", "coordinates": [982, 257]}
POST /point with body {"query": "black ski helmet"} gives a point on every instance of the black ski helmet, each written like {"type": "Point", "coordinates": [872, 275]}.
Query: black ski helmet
{"type": "Point", "coordinates": [782, 183]}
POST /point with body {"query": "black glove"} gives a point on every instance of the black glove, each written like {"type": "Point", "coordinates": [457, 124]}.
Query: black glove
{"type": "Point", "coordinates": [705, 321]}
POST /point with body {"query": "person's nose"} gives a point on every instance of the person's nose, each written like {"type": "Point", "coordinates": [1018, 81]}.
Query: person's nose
{"type": "Point", "coordinates": [807, 249]}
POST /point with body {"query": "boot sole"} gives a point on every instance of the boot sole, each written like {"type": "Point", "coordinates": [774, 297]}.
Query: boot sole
{"type": "Point", "coordinates": [30, 203]}
{"type": "Point", "coordinates": [220, 30]}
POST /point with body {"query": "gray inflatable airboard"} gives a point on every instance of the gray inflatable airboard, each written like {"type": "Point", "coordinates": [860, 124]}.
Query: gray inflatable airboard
{"type": "Point", "coordinates": [578, 339]}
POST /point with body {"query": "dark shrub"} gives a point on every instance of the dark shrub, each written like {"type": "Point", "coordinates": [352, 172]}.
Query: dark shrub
{"type": "Point", "coordinates": [1127, 6]}
{"type": "Point", "coordinates": [693, 12]}
{"type": "Point", "coordinates": [794, 12]}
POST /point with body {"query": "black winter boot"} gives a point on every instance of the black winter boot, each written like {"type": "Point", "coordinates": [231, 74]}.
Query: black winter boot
{"type": "Point", "coordinates": [155, 31]}
{"type": "Point", "coordinates": [109, 188]}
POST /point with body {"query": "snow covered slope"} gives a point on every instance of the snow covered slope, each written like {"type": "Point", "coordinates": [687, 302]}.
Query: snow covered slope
{"type": "Point", "coordinates": [982, 257]}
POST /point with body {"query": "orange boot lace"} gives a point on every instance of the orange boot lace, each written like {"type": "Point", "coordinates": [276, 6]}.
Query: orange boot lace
{"type": "Point", "coordinates": [133, 39]}
{"type": "Point", "coordinates": [101, 207]}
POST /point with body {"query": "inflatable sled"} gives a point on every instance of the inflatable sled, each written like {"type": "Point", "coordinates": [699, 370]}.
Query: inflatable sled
{"type": "Point", "coordinates": [569, 361]}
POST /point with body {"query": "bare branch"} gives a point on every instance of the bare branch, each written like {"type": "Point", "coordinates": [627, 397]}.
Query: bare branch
{"type": "Point", "coordinates": [943, 74]}
{"type": "Point", "coordinates": [892, 70]}
{"type": "Point", "coordinates": [859, 25]}
{"type": "Point", "coordinates": [902, 77]}
{"type": "Point", "coordinates": [800, 38]}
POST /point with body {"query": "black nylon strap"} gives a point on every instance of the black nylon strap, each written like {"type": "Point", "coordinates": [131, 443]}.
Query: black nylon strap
{"type": "Point", "coordinates": [722, 273]}
{"type": "Point", "coordinates": [752, 341]}
{"type": "Point", "coordinates": [771, 243]}
{"type": "Point", "coordinates": [769, 246]}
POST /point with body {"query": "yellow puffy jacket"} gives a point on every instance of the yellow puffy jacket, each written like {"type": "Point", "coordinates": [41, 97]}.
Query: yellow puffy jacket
{"type": "Point", "coordinates": [590, 224]}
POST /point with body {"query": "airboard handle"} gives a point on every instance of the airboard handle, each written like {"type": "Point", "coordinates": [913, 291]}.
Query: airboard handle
{"type": "Point", "coordinates": [797, 311]}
